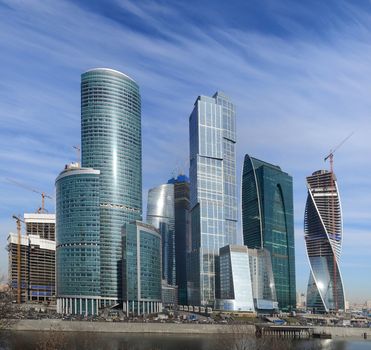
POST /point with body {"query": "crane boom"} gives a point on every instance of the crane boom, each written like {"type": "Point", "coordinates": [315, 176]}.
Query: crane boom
{"type": "Point", "coordinates": [43, 194]}
{"type": "Point", "coordinates": [331, 154]}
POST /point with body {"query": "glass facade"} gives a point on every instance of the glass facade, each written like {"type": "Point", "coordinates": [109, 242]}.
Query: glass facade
{"type": "Point", "coordinates": [263, 287]}
{"type": "Point", "coordinates": [78, 240]}
{"type": "Point", "coordinates": [235, 282]}
{"type": "Point", "coordinates": [268, 222]}
{"type": "Point", "coordinates": [182, 234]}
{"type": "Point", "coordinates": [213, 197]}
{"type": "Point", "coordinates": [323, 228]}
{"type": "Point", "coordinates": [111, 143]}
{"type": "Point", "coordinates": [161, 215]}
{"type": "Point", "coordinates": [141, 266]}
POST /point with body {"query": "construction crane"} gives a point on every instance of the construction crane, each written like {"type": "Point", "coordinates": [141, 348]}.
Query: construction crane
{"type": "Point", "coordinates": [78, 154]}
{"type": "Point", "coordinates": [333, 233]}
{"type": "Point", "coordinates": [19, 280]}
{"type": "Point", "coordinates": [43, 194]}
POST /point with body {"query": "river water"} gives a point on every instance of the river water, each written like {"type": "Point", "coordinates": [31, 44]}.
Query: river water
{"type": "Point", "coordinates": [113, 341]}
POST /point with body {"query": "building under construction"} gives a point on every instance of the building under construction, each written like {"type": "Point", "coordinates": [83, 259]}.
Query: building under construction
{"type": "Point", "coordinates": [35, 264]}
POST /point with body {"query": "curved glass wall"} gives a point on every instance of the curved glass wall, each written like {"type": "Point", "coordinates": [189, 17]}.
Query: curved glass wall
{"type": "Point", "coordinates": [268, 222]}
{"type": "Point", "coordinates": [323, 236]}
{"type": "Point", "coordinates": [111, 142]}
{"type": "Point", "coordinates": [78, 241]}
{"type": "Point", "coordinates": [160, 214]}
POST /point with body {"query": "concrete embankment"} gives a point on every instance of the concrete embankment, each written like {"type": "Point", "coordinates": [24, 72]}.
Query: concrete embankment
{"type": "Point", "coordinates": [169, 328]}
{"type": "Point", "coordinates": [125, 327]}
{"type": "Point", "coordinates": [344, 332]}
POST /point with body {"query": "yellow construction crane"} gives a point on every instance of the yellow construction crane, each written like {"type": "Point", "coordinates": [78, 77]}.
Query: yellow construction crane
{"type": "Point", "coordinates": [19, 280]}
{"type": "Point", "coordinates": [333, 226]}
{"type": "Point", "coordinates": [43, 194]}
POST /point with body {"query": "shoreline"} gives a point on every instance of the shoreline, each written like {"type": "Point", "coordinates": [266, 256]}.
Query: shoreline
{"type": "Point", "coordinates": [166, 328]}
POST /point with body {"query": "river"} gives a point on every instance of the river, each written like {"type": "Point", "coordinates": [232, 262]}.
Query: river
{"type": "Point", "coordinates": [27, 340]}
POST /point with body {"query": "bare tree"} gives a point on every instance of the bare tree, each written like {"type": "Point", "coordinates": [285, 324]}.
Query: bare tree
{"type": "Point", "coordinates": [8, 310]}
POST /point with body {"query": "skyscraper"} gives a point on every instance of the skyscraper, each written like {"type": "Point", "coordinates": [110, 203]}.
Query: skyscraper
{"type": "Point", "coordinates": [78, 241]}
{"type": "Point", "coordinates": [323, 228]}
{"type": "Point", "coordinates": [111, 143]}
{"type": "Point", "coordinates": [160, 214]}
{"type": "Point", "coordinates": [213, 190]}
{"type": "Point", "coordinates": [268, 222]}
{"type": "Point", "coordinates": [182, 233]}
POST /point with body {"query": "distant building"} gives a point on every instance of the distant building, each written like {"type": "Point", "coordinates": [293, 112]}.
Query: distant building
{"type": "Point", "coordinates": [301, 301]}
{"type": "Point", "coordinates": [268, 222]}
{"type": "Point", "coordinates": [235, 283]}
{"type": "Point", "coordinates": [160, 214]}
{"type": "Point", "coordinates": [323, 230]}
{"type": "Point", "coordinates": [169, 294]}
{"type": "Point", "coordinates": [78, 241]}
{"type": "Point", "coordinates": [37, 259]}
{"type": "Point", "coordinates": [262, 280]}
{"type": "Point", "coordinates": [213, 188]}
{"type": "Point", "coordinates": [141, 267]}
{"type": "Point", "coordinates": [182, 234]}
{"type": "Point", "coordinates": [368, 304]}
{"type": "Point", "coordinates": [111, 142]}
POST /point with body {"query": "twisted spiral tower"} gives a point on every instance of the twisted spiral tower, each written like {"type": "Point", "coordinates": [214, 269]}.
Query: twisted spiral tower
{"type": "Point", "coordinates": [323, 228]}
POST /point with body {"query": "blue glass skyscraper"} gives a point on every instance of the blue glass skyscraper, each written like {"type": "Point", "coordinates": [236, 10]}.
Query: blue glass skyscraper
{"type": "Point", "coordinates": [213, 196]}
{"type": "Point", "coordinates": [111, 143]}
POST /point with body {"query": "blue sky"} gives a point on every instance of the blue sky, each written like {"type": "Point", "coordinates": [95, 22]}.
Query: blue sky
{"type": "Point", "coordinates": [298, 72]}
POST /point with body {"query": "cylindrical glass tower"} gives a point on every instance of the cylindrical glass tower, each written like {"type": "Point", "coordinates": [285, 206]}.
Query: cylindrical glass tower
{"type": "Point", "coordinates": [160, 214]}
{"type": "Point", "coordinates": [111, 143]}
{"type": "Point", "coordinates": [78, 241]}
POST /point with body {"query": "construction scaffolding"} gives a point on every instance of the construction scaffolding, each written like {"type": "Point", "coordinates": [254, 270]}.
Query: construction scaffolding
{"type": "Point", "coordinates": [34, 272]}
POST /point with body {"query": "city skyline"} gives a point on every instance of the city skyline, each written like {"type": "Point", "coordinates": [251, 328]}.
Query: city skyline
{"type": "Point", "coordinates": [322, 73]}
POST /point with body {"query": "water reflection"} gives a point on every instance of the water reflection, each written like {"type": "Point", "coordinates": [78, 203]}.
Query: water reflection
{"type": "Point", "coordinates": [112, 341]}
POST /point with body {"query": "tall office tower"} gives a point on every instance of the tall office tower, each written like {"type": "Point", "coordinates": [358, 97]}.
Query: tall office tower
{"type": "Point", "coordinates": [160, 214]}
{"type": "Point", "coordinates": [235, 282]}
{"type": "Point", "coordinates": [37, 265]}
{"type": "Point", "coordinates": [323, 229]}
{"type": "Point", "coordinates": [213, 195]}
{"type": "Point", "coordinates": [78, 241]}
{"type": "Point", "coordinates": [111, 143]}
{"type": "Point", "coordinates": [182, 234]}
{"type": "Point", "coordinates": [268, 222]}
{"type": "Point", "coordinates": [262, 280]}
{"type": "Point", "coordinates": [141, 263]}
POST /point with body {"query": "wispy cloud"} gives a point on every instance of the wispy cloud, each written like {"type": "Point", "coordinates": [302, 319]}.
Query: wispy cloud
{"type": "Point", "coordinates": [300, 79]}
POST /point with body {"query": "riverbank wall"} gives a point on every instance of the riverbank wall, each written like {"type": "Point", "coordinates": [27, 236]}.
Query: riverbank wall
{"type": "Point", "coordinates": [166, 328]}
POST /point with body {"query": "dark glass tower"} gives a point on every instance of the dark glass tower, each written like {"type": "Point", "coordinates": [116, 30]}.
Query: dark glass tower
{"type": "Point", "coordinates": [182, 233]}
{"type": "Point", "coordinates": [111, 143]}
{"type": "Point", "coordinates": [268, 222]}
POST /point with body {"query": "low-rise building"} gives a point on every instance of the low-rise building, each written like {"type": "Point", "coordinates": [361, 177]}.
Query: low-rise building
{"type": "Point", "coordinates": [141, 269]}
